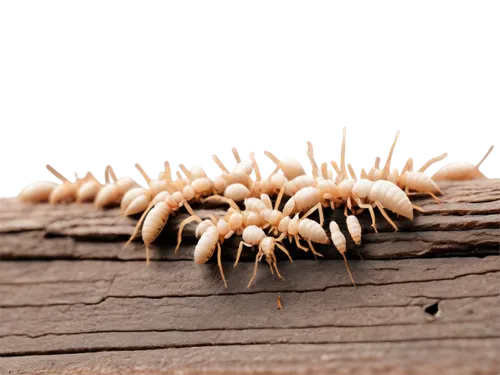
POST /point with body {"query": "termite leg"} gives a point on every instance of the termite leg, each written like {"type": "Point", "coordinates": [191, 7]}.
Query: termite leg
{"type": "Point", "coordinates": [276, 266]}
{"type": "Point", "coordinates": [281, 237]}
{"type": "Point", "coordinates": [432, 161]}
{"type": "Point", "coordinates": [299, 245]}
{"type": "Point", "coordinates": [313, 250]}
{"type": "Point", "coordinates": [318, 207]}
{"type": "Point", "coordinates": [348, 269]}
{"type": "Point", "coordinates": [257, 260]}
{"type": "Point", "coordinates": [181, 228]}
{"type": "Point", "coordinates": [240, 249]}
{"type": "Point", "coordinates": [213, 219]}
{"type": "Point", "coordinates": [429, 193]}
{"type": "Point", "coordinates": [229, 234]}
{"type": "Point", "coordinates": [280, 196]}
{"type": "Point", "coordinates": [381, 208]}
{"type": "Point", "coordinates": [270, 264]}
{"type": "Point", "coordinates": [220, 199]}
{"type": "Point", "coordinates": [137, 228]}
{"type": "Point", "coordinates": [282, 248]}
{"type": "Point", "coordinates": [219, 164]}
{"type": "Point", "coordinates": [349, 205]}
{"type": "Point", "coordinates": [188, 208]}
{"type": "Point", "coordinates": [370, 208]}
{"type": "Point", "coordinates": [219, 262]}
{"type": "Point", "coordinates": [418, 208]}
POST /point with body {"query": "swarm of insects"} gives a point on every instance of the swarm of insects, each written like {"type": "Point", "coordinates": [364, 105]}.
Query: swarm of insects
{"type": "Point", "coordinates": [251, 213]}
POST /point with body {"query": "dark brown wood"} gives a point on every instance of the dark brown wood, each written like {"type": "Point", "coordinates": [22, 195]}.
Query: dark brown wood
{"type": "Point", "coordinates": [427, 297]}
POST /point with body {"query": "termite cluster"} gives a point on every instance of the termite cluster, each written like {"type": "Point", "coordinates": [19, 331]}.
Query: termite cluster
{"type": "Point", "coordinates": [251, 213]}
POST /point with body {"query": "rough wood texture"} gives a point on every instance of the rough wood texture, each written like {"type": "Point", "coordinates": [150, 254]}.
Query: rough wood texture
{"type": "Point", "coordinates": [74, 302]}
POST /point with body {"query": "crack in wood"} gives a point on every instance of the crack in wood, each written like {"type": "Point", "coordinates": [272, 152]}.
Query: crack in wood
{"type": "Point", "coordinates": [156, 347]}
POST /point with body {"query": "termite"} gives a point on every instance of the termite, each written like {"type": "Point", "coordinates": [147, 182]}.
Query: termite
{"type": "Point", "coordinates": [409, 179]}
{"type": "Point", "coordinates": [272, 216]}
{"type": "Point", "coordinates": [270, 186]}
{"type": "Point", "coordinates": [37, 192]}
{"type": "Point", "coordinates": [155, 217]}
{"type": "Point", "coordinates": [88, 190]}
{"type": "Point", "coordinates": [255, 236]}
{"type": "Point", "coordinates": [433, 160]}
{"type": "Point", "coordinates": [68, 190]}
{"type": "Point", "coordinates": [201, 184]}
{"type": "Point", "coordinates": [111, 194]}
{"type": "Point", "coordinates": [354, 228]}
{"type": "Point", "coordinates": [154, 222]}
{"type": "Point", "coordinates": [65, 190]}
{"type": "Point", "coordinates": [137, 200]}
{"type": "Point", "coordinates": [381, 193]}
{"type": "Point", "coordinates": [325, 193]}
{"type": "Point", "coordinates": [461, 171]}
{"type": "Point", "coordinates": [211, 234]}
{"type": "Point", "coordinates": [205, 248]}
{"type": "Point", "coordinates": [310, 230]}
{"type": "Point", "coordinates": [339, 241]}
{"type": "Point", "coordinates": [239, 175]}
{"type": "Point", "coordinates": [375, 172]}
{"type": "Point", "coordinates": [291, 168]}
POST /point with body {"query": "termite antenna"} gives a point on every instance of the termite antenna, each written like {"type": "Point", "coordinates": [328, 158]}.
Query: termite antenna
{"type": "Point", "coordinates": [236, 155]}
{"type": "Point", "coordinates": [186, 172]}
{"type": "Point", "coordinates": [351, 171]}
{"type": "Point", "coordinates": [432, 161]}
{"type": "Point", "coordinates": [258, 177]}
{"type": "Point", "coordinates": [489, 151]}
{"type": "Point", "coordinates": [310, 155]}
{"type": "Point", "coordinates": [389, 156]}
{"type": "Point", "coordinates": [272, 157]}
{"type": "Point", "coordinates": [364, 175]}
{"type": "Point", "coordinates": [56, 173]}
{"type": "Point", "coordinates": [377, 162]}
{"type": "Point", "coordinates": [348, 269]}
{"type": "Point", "coordinates": [342, 157]}
{"type": "Point", "coordinates": [219, 164]}
{"type": "Point", "coordinates": [335, 167]}
{"type": "Point", "coordinates": [143, 173]}
{"type": "Point", "coordinates": [111, 173]}
{"type": "Point", "coordinates": [324, 170]}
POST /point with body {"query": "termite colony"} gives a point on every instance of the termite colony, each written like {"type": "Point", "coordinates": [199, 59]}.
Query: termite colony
{"type": "Point", "coordinates": [251, 213]}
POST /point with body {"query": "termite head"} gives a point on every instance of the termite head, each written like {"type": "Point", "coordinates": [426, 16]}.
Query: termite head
{"type": "Point", "coordinates": [188, 192]}
{"type": "Point", "coordinates": [264, 215]}
{"type": "Point", "coordinates": [277, 181]}
{"type": "Point", "coordinates": [329, 189]}
{"type": "Point", "coordinates": [220, 184]}
{"type": "Point", "coordinates": [64, 193]}
{"type": "Point", "coordinates": [345, 187]}
{"type": "Point", "coordinates": [362, 188]}
{"type": "Point", "coordinates": [284, 224]}
{"type": "Point", "coordinates": [244, 166]}
{"type": "Point", "coordinates": [235, 221]}
{"type": "Point", "coordinates": [223, 227]}
{"type": "Point", "coordinates": [237, 192]}
{"type": "Point", "coordinates": [88, 191]}
{"type": "Point", "coordinates": [251, 218]}
{"type": "Point", "coordinates": [178, 197]}
{"type": "Point", "coordinates": [293, 227]}
{"type": "Point", "coordinates": [202, 227]}
{"type": "Point", "coordinates": [267, 246]}
{"type": "Point", "coordinates": [203, 186]}
{"type": "Point", "coordinates": [171, 201]}
{"type": "Point", "coordinates": [291, 168]}
{"type": "Point", "coordinates": [266, 187]}
{"type": "Point", "coordinates": [157, 186]}
{"type": "Point", "coordinates": [126, 183]}
{"type": "Point", "coordinates": [198, 172]}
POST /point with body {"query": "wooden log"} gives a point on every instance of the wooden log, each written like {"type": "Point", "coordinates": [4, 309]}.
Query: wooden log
{"type": "Point", "coordinates": [466, 222]}
{"type": "Point", "coordinates": [72, 301]}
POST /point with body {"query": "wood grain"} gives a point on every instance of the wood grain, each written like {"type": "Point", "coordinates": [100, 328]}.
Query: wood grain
{"type": "Point", "coordinates": [73, 301]}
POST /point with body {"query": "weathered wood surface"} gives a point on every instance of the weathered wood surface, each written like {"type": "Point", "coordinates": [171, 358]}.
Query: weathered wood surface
{"type": "Point", "coordinates": [428, 297]}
